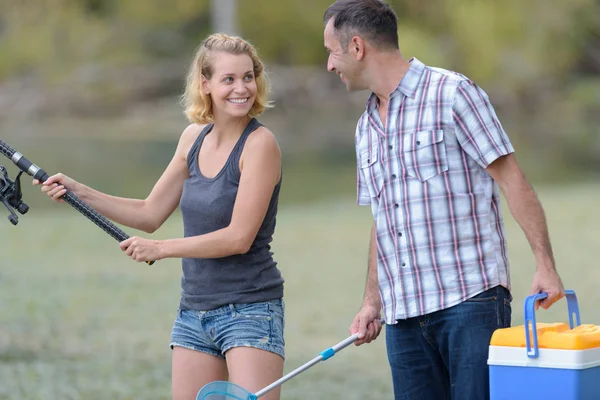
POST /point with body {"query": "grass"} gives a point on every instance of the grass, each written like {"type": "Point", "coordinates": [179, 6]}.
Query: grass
{"type": "Point", "coordinates": [78, 320]}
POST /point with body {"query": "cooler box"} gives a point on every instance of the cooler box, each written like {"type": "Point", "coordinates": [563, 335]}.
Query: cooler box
{"type": "Point", "coordinates": [546, 360]}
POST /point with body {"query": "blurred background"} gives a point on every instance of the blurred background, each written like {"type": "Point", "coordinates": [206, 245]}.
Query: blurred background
{"type": "Point", "coordinates": [90, 88]}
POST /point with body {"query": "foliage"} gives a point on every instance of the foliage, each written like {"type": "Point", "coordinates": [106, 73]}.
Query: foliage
{"type": "Point", "coordinates": [539, 61]}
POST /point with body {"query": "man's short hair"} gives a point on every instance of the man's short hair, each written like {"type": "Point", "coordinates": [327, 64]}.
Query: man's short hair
{"type": "Point", "coordinates": [374, 20]}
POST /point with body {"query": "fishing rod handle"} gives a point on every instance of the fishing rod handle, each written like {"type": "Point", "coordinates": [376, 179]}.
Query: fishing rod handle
{"type": "Point", "coordinates": [38, 173]}
{"type": "Point", "coordinates": [93, 215]}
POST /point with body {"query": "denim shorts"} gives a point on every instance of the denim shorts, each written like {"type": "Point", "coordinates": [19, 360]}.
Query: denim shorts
{"type": "Point", "coordinates": [259, 325]}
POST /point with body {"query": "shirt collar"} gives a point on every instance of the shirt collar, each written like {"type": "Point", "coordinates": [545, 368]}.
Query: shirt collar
{"type": "Point", "coordinates": [408, 85]}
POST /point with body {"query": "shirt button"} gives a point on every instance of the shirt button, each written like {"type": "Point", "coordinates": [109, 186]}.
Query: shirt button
{"type": "Point", "coordinates": [418, 142]}
{"type": "Point", "coordinates": [404, 264]}
{"type": "Point", "coordinates": [396, 205]}
{"type": "Point", "coordinates": [394, 176]}
{"type": "Point", "coordinates": [399, 233]}
{"type": "Point", "coordinates": [390, 147]}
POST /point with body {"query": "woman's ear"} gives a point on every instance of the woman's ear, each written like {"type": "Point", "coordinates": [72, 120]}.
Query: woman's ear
{"type": "Point", "coordinates": [205, 86]}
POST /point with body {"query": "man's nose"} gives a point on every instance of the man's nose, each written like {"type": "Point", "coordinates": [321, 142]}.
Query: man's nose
{"type": "Point", "coordinates": [330, 66]}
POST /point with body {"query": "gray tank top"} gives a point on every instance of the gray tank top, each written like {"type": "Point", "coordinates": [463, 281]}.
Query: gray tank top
{"type": "Point", "coordinates": [207, 205]}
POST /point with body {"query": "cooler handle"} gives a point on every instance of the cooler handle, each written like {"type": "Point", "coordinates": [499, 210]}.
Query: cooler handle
{"type": "Point", "coordinates": [533, 352]}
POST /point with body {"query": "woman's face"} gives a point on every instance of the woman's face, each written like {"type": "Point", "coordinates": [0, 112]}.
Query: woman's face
{"type": "Point", "coordinates": [232, 86]}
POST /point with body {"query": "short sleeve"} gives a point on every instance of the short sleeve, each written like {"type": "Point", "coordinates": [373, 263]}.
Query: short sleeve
{"type": "Point", "coordinates": [478, 129]}
{"type": "Point", "coordinates": [362, 191]}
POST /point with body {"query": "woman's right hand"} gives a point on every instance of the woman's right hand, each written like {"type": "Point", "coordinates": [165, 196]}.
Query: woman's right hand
{"type": "Point", "coordinates": [56, 186]}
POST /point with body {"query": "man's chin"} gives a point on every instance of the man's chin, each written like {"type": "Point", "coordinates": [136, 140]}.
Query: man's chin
{"type": "Point", "coordinates": [354, 88]}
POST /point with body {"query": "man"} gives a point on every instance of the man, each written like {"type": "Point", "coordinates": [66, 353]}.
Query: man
{"type": "Point", "coordinates": [432, 157]}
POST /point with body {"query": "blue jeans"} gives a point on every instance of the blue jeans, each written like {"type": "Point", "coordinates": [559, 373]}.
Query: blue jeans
{"type": "Point", "coordinates": [443, 355]}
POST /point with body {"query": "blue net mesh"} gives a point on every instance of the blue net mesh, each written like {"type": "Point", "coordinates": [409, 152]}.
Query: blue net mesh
{"type": "Point", "coordinates": [224, 391]}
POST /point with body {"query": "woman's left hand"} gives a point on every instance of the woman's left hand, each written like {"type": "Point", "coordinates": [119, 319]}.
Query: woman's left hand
{"type": "Point", "coordinates": [141, 249]}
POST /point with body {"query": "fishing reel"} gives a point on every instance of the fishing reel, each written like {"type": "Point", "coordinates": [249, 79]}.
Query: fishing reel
{"type": "Point", "coordinates": [11, 194]}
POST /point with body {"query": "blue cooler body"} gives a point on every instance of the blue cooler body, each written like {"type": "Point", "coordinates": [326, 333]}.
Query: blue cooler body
{"type": "Point", "coordinates": [564, 365]}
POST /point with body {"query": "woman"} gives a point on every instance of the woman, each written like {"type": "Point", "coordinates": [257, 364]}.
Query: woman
{"type": "Point", "coordinates": [226, 177]}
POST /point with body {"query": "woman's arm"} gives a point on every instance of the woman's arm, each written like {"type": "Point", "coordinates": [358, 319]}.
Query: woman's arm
{"type": "Point", "coordinates": [260, 166]}
{"type": "Point", "coordinates": [146, 215]}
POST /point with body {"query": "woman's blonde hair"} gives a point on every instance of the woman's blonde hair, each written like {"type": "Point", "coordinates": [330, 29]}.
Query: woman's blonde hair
{"type": "Point", "coordinates": [198, 106]}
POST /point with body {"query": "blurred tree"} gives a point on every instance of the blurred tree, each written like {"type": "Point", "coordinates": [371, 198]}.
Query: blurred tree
{"type": "Point", "coordinates": [224, 16]}
{"type": "Point", "coordinates": [539, 60]}
{"type": "Point", "coordinates": [286, 32]}
{"type": "Point", "coordinates": [100, 8]}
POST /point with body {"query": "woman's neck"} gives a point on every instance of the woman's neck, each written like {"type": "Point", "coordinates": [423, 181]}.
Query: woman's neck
{"type": "Point", "coordinates": [226, 129]}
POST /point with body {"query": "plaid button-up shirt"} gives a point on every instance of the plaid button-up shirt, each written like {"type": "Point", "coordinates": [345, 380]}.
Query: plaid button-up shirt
{"type": "Point", "coordinates": [440, 234]}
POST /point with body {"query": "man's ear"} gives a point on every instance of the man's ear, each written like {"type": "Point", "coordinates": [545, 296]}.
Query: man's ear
{"type": "Point", "coordinates": [357, 47]}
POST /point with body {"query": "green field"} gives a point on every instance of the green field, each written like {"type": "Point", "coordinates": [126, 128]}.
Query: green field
{"type": "Point", "coordinates": [78, 320]}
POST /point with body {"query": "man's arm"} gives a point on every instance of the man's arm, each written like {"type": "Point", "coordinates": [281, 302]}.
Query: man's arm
{"type": "Point", "coordinates": [529, 214]}
{"type": "Point", "coordinates": [372, 297]}
{"type": "Point", "coordinates": [367, 322]}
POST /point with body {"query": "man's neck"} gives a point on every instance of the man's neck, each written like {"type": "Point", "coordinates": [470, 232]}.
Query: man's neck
{"type": "Point", "coordinates": [387, 71]}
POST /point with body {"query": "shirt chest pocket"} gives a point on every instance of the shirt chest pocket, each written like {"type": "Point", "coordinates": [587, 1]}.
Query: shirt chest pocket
{"type": "Point", "coordinates": [372, 171]}
{"type": "Point", "coordinates": [424, 154]}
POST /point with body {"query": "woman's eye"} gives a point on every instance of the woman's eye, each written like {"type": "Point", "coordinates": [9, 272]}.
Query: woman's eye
{"type": "Point", "coordinates": [249, 78]}
{"type": "Point", "coordinates": [228, 79]}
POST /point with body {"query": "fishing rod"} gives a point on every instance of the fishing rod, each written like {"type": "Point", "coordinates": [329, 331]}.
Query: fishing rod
{"type": "Point", "coordinates": [11, 194]}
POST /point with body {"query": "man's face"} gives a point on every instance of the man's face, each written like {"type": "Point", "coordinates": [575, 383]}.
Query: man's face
{"type": "Point", "coordinates": [341, 61]}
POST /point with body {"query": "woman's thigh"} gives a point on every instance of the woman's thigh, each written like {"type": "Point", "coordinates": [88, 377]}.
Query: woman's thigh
{"type": "Point", "coordinates": [254, 369]}
{"type": "Point", "coordinates": [196, 360]}
{"type": "Point", "coordinates": [192, 369]}
{"type": "Point", "coordinates": [252, 339]}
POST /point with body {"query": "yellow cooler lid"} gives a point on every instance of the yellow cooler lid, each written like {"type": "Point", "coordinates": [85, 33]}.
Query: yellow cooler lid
{"type": "Point", "coordinates": [550, 336]}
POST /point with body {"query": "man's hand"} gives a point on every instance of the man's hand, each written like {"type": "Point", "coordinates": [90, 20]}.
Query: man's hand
{"type": "Point", "coordinates": [367, 323]}
{"type": "Point", "coordinates": [546, 279]}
